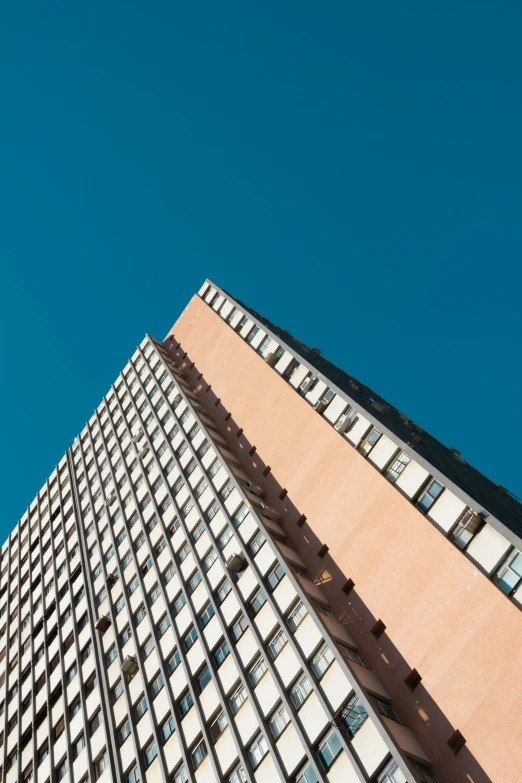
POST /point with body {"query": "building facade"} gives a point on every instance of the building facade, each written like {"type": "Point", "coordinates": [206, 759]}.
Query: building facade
{"type": "Point", "coordinates": [242, 571]}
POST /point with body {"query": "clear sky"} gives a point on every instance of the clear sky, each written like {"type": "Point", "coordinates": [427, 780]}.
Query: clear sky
{"type": "Point", "coordinates": [351, 170]}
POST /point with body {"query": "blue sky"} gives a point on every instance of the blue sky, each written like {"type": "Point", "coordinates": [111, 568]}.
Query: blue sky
{"type": "Point", "coordinates": [351, 170]}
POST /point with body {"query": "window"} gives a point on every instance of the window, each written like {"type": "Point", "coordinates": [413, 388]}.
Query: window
{"type": "Point", "coordinates": [183, 553]}
{"type": "Point", "coordinates": [78, 746]}
{"type": "Point", "coordinates": [369, 442]}
{"type": "Point", "coordinates": [102, 764]}
{"type": "Point", "coordinates": [91, 684]}
{"type": "Point", "coordinates": [239, 627]}
{"type": "Point", "coordinates": [274, 576]}
{"type": "Point", "coordinates": [179, 603]}
{"type": "Point", "coordinates": [237, 699]}
{"type": "Point", "coordinates": [74, 707]}
{"type": "Point", "coordinates": [185, 704]}
{"type": "Point", "coordinates": [257, 751]}
{"type": "Point", "coordinates": [141, 708]}
{"type": "Point", "coordinates": [387, 710]}
{"type": "Point", "coordinates": [218, 726]}
{"type": "Point", "coordinates": [189, 639]}
{"type": "Point", "coordinates": [198, 531]}
{"type": "Point", "coordinates": [117, 691]}
{"type": "Point", "coordinates": [256, 543]}
{"type": "Point", "coordinates": [169, 573]}
{"type": "Point", "coordinates": [148, 646]}
{"type": "Point", "coordinates": [133, 586]}
{"type": "Point", "coordinates": [509, 574]}
{"type": "Point", "coordinates": [156, 685]}
{"type": "Point", "coordinates": [124, 731]}
{"type": "Point", "coordinates": [252, 333]}
{"type": "Point", "coordinates": [43, 752]}
{"type": "Point", "coordinates": [329, 749]}
{"type": "Point", "coordinates": [296, 616]}
{"type": "Point", "coordinates": [214, 468]}
{"type": "Point", "coordinates": [174, 661]}
{"type": "Point", "coordinates": [240, 515]}
{"type": "Point", "coordinates": [193, 582]}
{"type": "Point", "coordinates": [221, 653]}
{"type": "Point", "coordinates": [300, 690]}
{"type": "Point", "coordinates": [351, 655]}
{"type": "Point", "coordinates": [203, 679]}
{"type": "Point", "coordinates": [225, 491]}
{"type": "Point", "coordinates": [276, 643]}
{"type": "Point", "coordinates": [429, 496]}
{"type": "Point", "coordinates": [132, 777]}
{"type": "Point", "coordinates": [256, 603]}
{"type": "Point", "coordinates": [181, 775]}
{"type": "Point", "coordinates": [264, 345]}
{"type": "Point", "coordinates": [111, 655]}
{"type": "Point", "coordinates": [391, 774]}
{"type": "Point", "coordinates": [154, 594]}
{"type": "Point", "coordinates": [225, 537]}
{"type": "Point", "coordinates": [397, 466]}
{"type": "Point", "coordinates": [198, 754]}
{"type": "Point", "coordinates": [278, 720]}
{"type": "Point", "coordinates": [168, 728]}
{"type": "Point", "coordinates": [140, 614]}
{"type": "Point", "coordinates": [95, 723]}
{"type": "Point", "coordinates": [306, 775]}
{"type": "Point", "coordinates": [353, 715]}
{"type": "Point", "coordinates": [322, 660]}
{"type": "Point", "coordinates": [209, 560]}
{"type": "Point", "coordinates": [163, 625]}
{"type": "Point", "coordinates": [468, 526]}
{"type": "Point", "coordinates": [125, 635]}
{"type": "Point", "coordinates": [256, 671]}
{"type": "Point", "coordinates": [223, 590]}
{"type": "Point", "coordinates": [150, 753]}
{"type": "Point", "coordinates": [211, 511]}
{"type": "Point", "coordinates": [206, 615]}
{"type": "Point", "coordinates": [203, 448]}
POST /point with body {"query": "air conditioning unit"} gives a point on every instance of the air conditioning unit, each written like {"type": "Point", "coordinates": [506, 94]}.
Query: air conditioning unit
{"type": "Point", "coordinates": [143, 453]}
{"type": "Point", "coordinates": [235, 563]}
{"type": "Point", "coordinates": [345, 423]}
{"type": "Point", "coordinates": [103, 623]}
{"type": "Point", "coordinates": [138, 435]}
{"type": "Point", "coordinates": [307, 384]}
{"type": "Point", "coordinates": [253, 488]}
{"type": "Point", "coordinates": [111, 580]}
{"type": "Point", "coordinates": [271, 359]}
{"type": "Point", "coordinates": [129, 666]}
{"type": "Point", "coordinates": [180, 374]}
{"type": "Point", "coordinates": [322, 404]}
{"type": "Point", "coordinates": [267, 511]}
{"type": "Point", "coordinates": [110, 500]}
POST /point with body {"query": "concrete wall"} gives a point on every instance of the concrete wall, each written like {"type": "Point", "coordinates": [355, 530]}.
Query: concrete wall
{"type": "Point", "coordinates": [442, 616]}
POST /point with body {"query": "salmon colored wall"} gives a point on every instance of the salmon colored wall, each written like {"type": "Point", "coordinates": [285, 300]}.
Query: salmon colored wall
{"type": "Point", "coordinates": [442, 616]}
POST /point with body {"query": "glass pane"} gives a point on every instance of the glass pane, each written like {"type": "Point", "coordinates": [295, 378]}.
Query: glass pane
{"type": "Point", "coordinates": [516, 564]}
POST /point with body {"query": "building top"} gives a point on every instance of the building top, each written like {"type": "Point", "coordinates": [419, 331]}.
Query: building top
{"type": "Point", "coordinates": [492, 498]}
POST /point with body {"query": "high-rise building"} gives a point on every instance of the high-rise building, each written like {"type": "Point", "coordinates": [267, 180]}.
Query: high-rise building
{"type": "Point", "coordinates": [250, 567]}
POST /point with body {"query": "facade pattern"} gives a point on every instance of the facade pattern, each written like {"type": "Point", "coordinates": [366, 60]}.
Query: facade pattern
{"type": "Point", "coordinates": [490, 537]}
{"type": "Point", "coordinates": [156, 625]}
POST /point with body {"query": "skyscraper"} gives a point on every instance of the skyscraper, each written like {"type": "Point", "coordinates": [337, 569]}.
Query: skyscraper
{"type": "Point", "coordinates": [250, 567]}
